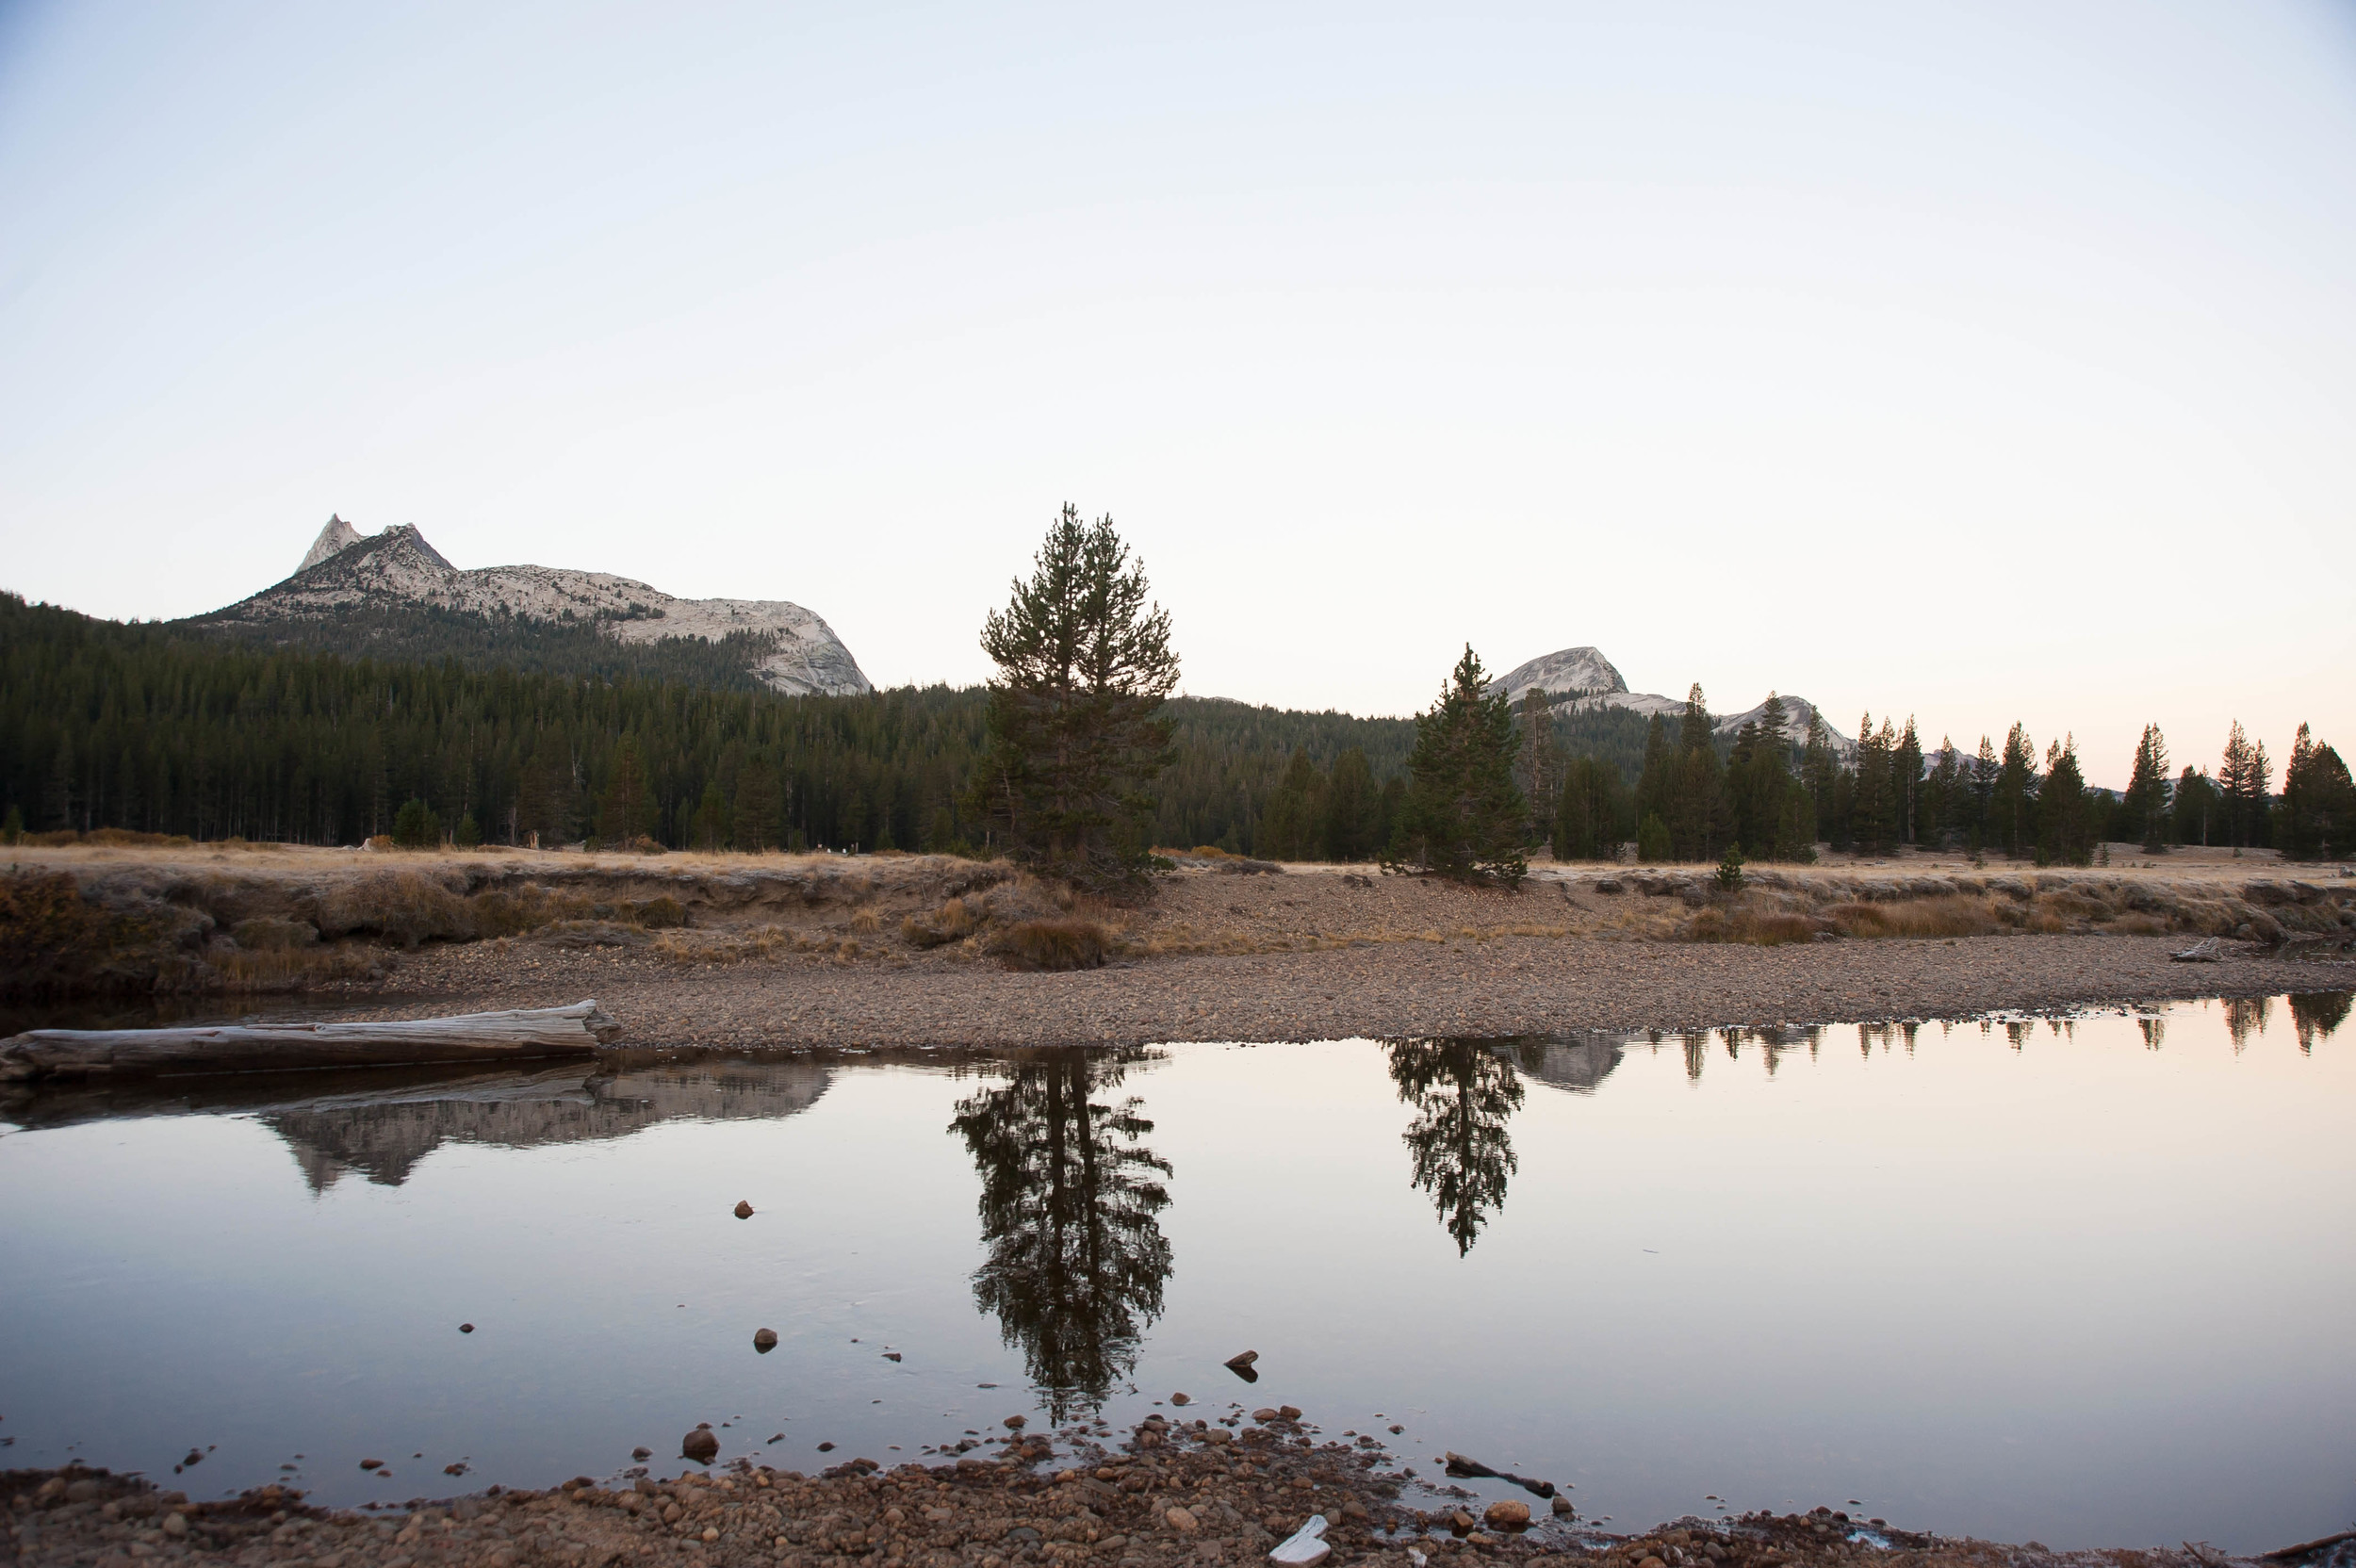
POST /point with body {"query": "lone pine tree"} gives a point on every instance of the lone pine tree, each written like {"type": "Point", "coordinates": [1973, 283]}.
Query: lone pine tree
{"type": "Point", "coordinates": [1084, 664]}
{"type": "Point", "coordinates": [1464, 814]}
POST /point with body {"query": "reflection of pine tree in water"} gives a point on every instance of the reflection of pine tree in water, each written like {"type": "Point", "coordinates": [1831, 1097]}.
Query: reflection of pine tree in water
{"type": "Point", "coordinates": [1076, 1256]}
{"type": "Point", "coordinates": [1463, 1095]}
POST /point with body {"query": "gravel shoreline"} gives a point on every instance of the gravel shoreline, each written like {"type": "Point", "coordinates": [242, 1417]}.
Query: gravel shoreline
{"type": "Point", "coordinates": [1174, 1495]}
{"type": "Point", "coordinates": [1498, 986]}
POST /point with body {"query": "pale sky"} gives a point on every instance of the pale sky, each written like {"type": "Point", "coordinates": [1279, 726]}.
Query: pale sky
{"type": "Point", "coordinates": [1982, 361]}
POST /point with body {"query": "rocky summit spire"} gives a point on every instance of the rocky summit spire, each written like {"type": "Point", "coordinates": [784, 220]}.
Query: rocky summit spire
{"type": "Point", "coordinates": [336, 535]}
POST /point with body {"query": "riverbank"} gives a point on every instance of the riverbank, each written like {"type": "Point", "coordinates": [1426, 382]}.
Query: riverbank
{"type": "Point", "coordinates": [1465, 986]}
{"type": "Point", "coordinates": [1174, 1495]}
{"type": "Point", "coordinates": [828, 950]}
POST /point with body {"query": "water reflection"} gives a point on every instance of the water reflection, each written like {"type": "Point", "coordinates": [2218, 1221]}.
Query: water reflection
{"type": "Point", "coordinates": [1463, 1094]}
{"type": "Point", "coordinates": [2315, 1014]}
{"type": "Point", "coordinates": [1070, 1198]}
{"type": "Point", "coordinates": [380, 1123]}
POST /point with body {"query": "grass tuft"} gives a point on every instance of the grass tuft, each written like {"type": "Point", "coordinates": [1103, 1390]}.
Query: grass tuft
{"type": "Point", "coordinates": [1053, 944]}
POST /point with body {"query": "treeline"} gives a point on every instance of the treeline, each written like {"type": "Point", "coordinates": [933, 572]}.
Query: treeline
{"type": "Point", "coordinates": [1774, 796]}
{"type": "Point", "coordinates": [156, 728]}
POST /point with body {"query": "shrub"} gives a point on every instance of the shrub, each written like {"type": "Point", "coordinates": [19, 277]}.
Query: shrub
{"type": "Point", "coordinates": [660, 913]}
{"type": "Point", "coordinates": [405, 906]}
{"type": "Point", "coordinates": [1730, 870]}
{"type": "Point", "coordinates": [1053, 944]}
{"type": "Point", "coordinates": [948, 923]}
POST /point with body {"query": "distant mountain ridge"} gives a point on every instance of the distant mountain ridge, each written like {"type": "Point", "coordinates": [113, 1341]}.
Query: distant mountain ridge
{"type": "Point", "coordinates": [787, 648]}
{"type": "Point", "coordinates": [1584, 675]}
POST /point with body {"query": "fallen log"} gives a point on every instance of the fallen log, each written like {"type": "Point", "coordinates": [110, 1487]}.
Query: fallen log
{"type": "Point", "coordinates": [515, 1034]}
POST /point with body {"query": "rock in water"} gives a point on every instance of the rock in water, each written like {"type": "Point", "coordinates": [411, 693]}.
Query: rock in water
{"type": "Point", "coordinates": [701, 1446]}
{"type": "Point", "coordinates": [1506, 1514]}
{"type": "Point", "coordinates": [1182, 1398]}
{"type": "Point", "coordinates": [1562, 1506]}
{"type": "Point", "coordinates": [466, 1328]}
{"type": "Point", "coordinates": [764, 1340]}
{"type": "Point", "coordinates": [1240, 1363]}
{"type": "Point", "coordinates": [744, 1210]}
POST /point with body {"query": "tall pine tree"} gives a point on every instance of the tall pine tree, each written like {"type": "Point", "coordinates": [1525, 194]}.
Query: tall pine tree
{"type": "Point", "coordinates": [1084, 664]}
{"type": "Point", "coordinates": [1463, 813]}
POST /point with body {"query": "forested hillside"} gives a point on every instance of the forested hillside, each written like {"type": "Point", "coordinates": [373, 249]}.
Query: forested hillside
{"type": "Point", "coordinates": [162, 728]}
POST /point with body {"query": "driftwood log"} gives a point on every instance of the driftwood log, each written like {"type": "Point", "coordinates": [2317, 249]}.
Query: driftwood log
{"type": "Point", "coordinates": [574, 1031]}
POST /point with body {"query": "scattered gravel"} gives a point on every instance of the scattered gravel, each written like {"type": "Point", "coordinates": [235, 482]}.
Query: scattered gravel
{"type": "Point", "coordinates": [1501, 986]}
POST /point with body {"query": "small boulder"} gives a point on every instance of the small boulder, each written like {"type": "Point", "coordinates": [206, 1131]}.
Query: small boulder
{"type": "Point", "coordinates": [175, 1525]}
{"type": "Point", "coordinates": [702, 1445]}
{"type": "Point", "coordinates": [372, 1464]}
{"type": "Point", "coordinates": [1240, 1363]}
{"type": "Point", "coordinates": [764, 1340]}
{"type": "Point", "coordinates": [1506, 1514]}
{"type": "Point", "coordinates": [1562, 1506]}
{"type": "Point", "coordinates": [1182, 1398]}
{"type": "Point", "coordinates": [1016, 1423]}
{"type": "Point", "coordinates": [744, 1210]}
{"type": "Point", "coordinates": [1266, 1413]}
{"type": "Point", "coordinates": [1182, 1520]}
{"type": "Point", "coordinates": [642, 1455]}
{"type": "Point", "coordinates": [466, 1328]}
{"type": "Point", "coordinates": [1288, 1412]}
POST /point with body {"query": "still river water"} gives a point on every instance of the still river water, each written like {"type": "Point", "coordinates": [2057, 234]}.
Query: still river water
{"type": "Point", "coordinates": [2090, 1283]}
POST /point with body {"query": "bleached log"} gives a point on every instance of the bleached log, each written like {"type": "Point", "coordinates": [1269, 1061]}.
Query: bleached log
{"type": "Point", "coordinates": [517, 1033]}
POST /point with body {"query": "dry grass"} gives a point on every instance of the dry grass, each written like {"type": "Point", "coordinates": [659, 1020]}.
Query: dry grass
{"type": "Point", "coordinates": [1053, 944]}
{"type": "Point", "coordinates": [1957, 915]}
{"type": "Point", "coordinates": [952, 921]}
{"type": "Point", "coordinates": [1755, 927]}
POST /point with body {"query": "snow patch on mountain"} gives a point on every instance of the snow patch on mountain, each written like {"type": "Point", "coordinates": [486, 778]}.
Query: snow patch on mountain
{"type": "Point", "coordinates": [799, 653]}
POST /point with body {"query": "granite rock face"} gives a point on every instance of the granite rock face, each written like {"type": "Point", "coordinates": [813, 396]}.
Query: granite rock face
{"type": "Point", "coordinates": [791, 650]}
{"type": "Point", "coordinates": [1584, 675]}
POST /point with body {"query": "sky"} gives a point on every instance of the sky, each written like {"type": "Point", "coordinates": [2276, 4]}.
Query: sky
{"type": "Point", "coordinates": [1983, 363]}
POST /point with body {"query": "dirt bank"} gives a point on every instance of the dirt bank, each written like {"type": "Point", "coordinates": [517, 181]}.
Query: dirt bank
{"type": "Point", "coordinates": [1168, 1495]}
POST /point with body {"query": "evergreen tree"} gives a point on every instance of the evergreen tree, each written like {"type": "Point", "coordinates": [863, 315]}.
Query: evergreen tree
{"type": "Point", "coordinates": [2317, 819]}
{"type": "Point", "coordinates": [468, 834]}
{"type": "Point", "coordinates": [2144, 809]}
{"type": "Point", "coordinates": [1941, 795]}
{"type": "Point", "coordinates": [1907, 780]}
{"type": "Point", "coordinates": [1084, 664]}
{"type": "Point", "coordinates": [1819, 771]}
{"type": "Point", "coordinates": [630, 813]}
{"type": "Point", "coordinates": [709, 830]}
{"type": "Point", "coordinates": [2245, 780]}
{"type": "Point", "coordinates": [1541, 770]}
{"type": "Point", "coordinates": [1697, 802]}
{"type": "Point", "coordinates": [755, 824]}
{"type": "Point", "coordinates": [2063, 830]}
{"type": "Point", "coordinates": [1653, 845]}
{"type": "Point", "coordinates": [2200, 807]}
{"type": "Point", "coordinates": [1873, 802]}
{"type": "Point", "coordinates": [1593, 812]}
{"type": "Point", "coordinates": [416, 826]}
{"type": "Point", "coordinates": [1980, 797]}
{"type": "Point", "coordinates": [1464, 814]}
{"type": "Point", "coordinates": [2012, 806]}
{"type": "Point", "coordinates": [1656, 782]}
{"type": "Point", "coordinates": [1291, 825]}
{"type": "Point", "coordinates": [1354, 809]}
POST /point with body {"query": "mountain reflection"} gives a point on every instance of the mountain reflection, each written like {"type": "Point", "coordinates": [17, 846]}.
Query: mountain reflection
{"type": "Point", "coordinates": [382, 1135]}
{"type": "Point", "coordinates": [1463, 1094]}
{"type": "Point", "coordinates": [1076, 1256]}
